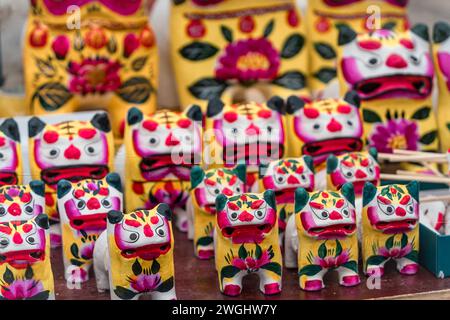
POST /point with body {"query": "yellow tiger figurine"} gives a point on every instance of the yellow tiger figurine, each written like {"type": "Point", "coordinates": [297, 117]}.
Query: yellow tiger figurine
{"type": "Point", "coordinates": [322, 18]}
{"type": "Point", "coordinates": [88, 55]}
{"type": "Point", "coordinates": [238, 50]}
{"type": "Point", "coordinates": [10, 153]}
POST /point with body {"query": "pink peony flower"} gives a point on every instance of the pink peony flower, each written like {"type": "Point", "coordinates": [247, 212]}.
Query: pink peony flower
{"type": "Point", "coordinates": [250, 263]}
{"type": "Point", "coordinates": [395, 252]}
{"type": "Point", "coordinates": [395, 134]}
{"type": "Point", "coordinates": [173, 197]}
{"type": "Point", "coordinates": [333, 262]}
{"type": "Point", "coordinates": [87, 250]}
{"type": "Point", "coordinates": [249, 60]}
{"type": "Point", "coordinates": [146, 283]}
{"type": "Point", "coordinates": [61, 46]}
{"type": "Point", "coordinates": [94, 76]}
{"type": "Point", "coordinates": [22, 289]}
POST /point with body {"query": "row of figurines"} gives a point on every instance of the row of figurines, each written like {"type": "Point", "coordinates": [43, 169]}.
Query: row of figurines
{"type": "Point", "coordinates": [241, 229]}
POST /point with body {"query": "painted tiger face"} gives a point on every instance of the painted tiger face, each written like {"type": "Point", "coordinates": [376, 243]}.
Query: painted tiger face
{"type": "Point", "coordinates": [250, 132]}
{"type": "Point", "coordinates": [85, 204]}
{"type": "Point", "coordinates": [356, 168]}
{"type": "Point", "coordinates": [286, 175]}
{"type": "Point", "coordinates": [441, 36]}
{"type": "Point", "coordinates": [384, 64]}
{"type": "Point", "coordinates": [71, 150]}
{"type": "Point", "coordinates": [22, 202]}
{"type": "Point", "coordinates": [393, 208]}
{"type": "Point", "coordinates": [168, 143]}
{"type": "Point", "coordinates": [9, 152]}
{"type": "Point", "coordinates": [23, 242]}
{"type": "Point", "coordinates": [246, 218]}
{"type": "Point", "coordinates": [327, 214]}
{"type": "Point", "coordinates": [328, 126]}
{"type": "Point", "coordinates": [144, 234]}
{"type": "Point", "coordinates": [207, 185]}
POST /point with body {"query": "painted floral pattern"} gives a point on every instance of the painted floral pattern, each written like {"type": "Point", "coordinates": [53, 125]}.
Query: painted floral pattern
{"type": "Point", "coordinates": [393, 248]}
{"type": "Point", "coordinates": [395, 134]}
{"type": "Point", "coordinates": [13, 288]}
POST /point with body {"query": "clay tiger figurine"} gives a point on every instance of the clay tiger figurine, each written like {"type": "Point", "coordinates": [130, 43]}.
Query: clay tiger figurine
{"type": "Point", "coordinates": [71, 150]}
{"type": "Point", "coordinates": [284, 177]}
{"type": "Point", "coordinates": [238, 51]}
{"type": "Point", "coordinates": [324, 127]}
{"type": "Point", "coordinates": [392, 72]}
{"type": "Point", "coordinates": [321, 237]}
{"type": "Point", "coordinates": [206, 185]}
{"type": "Point", "coordinates": [22, 202]}
{"type": "Point", "coordinates": [10, 153]}
{"type": "Point", "coordinates": [106, 60]}
{"type": "Point", "coordinates": [160, 151]}
{"type": "Point", "coordinates": [249, 133]}
{"type": "Point", "coordinates": [83, 208]}
{"type": "Point", "coordinates": [441, 53]}
{"type": "Point", "coordinates": [25, 269]}
{"type": "Point", "coordinates": [246, 241]}
{"type": "Point", "coordinates": [322, 18]}
{"type": "Point", "coordinates": [137, 252]}
{"type": "Point", "coordinates": [390, 228]}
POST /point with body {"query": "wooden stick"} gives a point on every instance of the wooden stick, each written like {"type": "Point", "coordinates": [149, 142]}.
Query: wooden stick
{"type": "Point", "coordinates": [434, 198]}
{"type": "Point", "coordinates": [417, 153]}
{"type": "Point", "coordinates": [414, 174]}
{"type": "Point", "coordinates": [423, 178]}
{"type": "Point", "coordinates": [411, 158]}
{"type": "Point", "coordinates": [432, 169]}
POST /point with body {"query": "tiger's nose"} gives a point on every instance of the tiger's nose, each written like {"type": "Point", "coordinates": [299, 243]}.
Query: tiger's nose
{"type": "Point", "coordinates": [245, 217]}
{"type": "Point", "coordinates": [252, 130]}
{"type": "Point", "coordinates": [396, 61]}
{"type": "Point", "coordinates": [172, 140]}
{"type": "Point", "coordinates": [334, 126]}
{"type": "Point", "coordinates": [293, 180]}
{"type": "Point", "coordinates": [72, 153]}
{"type": "Point", "coordinates": [227, 192]}
{"type": "Point", "coordinates": [93, 204]}
{"type": "Point", "coordinates": [360, 174]}
{"type": "Point", "coordinates": [334, 215]}
{"type": "Point", "coordinates": [14, 210]}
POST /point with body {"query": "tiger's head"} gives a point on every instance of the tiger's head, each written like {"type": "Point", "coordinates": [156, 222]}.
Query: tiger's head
{"type": "Point", "coordinates": [250, 132]}
{"type": "Point", "coordinates": [355, 167]}
{"type": "Point", "coordinates": [144, 234]}
{"type": "Point", "coordinates": [391, 209]}
{"type": "Point", "coordinates": [384, 64]}
{"type": "Point", "coordinates": [247, 218]}
{"type": "Point", "coordinates": [207, 185]}
{"type": "Point", "coordinates": [441, 39]}
{"type": "Point", "coordinates": [165, 144]}
{"type": "Point", "coordinates": [85, 204]}
{"type": "Point", "coordinates": [71, 150]}
{"type": "Point", "coordinates": [10, 162]}
{"type": "Point", "coordinates": [326, 214]}
{"type": "Point", "coordinates": [23, 242]}
{"type": "Point", "coordinates": [22, 202]}
{"type": "Point", "coordinates": [331, 126]}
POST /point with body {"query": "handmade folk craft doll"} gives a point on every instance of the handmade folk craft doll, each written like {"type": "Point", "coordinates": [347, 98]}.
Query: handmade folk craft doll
{"type": "Point", "coordinates": [246, 241]}
{"type": "Point", "coordinates": [71, 150]}
{"type": "Point", "coordinates": [321, 236]}
{"type": "Point", "coordinates": [10, 153]}
{"type": "Point", "coordinates": [238, 51]}
{"type": "Point", "coordinates": [22, 202]}
{"type": "Point", "coordinates": [206, 185]}
{"type": "Point", "coordinates": [83, 208]}
{"type": "Point", "coordinates": [441, 53]}
{"type": "Point", "coordinates": [390, 228]}
{"type": "Point", "coordinates": [91, 55]}
{"type": "Point", "coordinates": [392, 72]}
{"type": "Point", "coordinates": [160, 150]}
{"type": "Point", "coordinates": [249, 133]}
{"type": "Point", "coordinates": [284, 177]}
{"type": "Point", "coordinates": [362, 15]}
{"type": "Point", "coordinates": [25, 269]}
{"type": "Point", "coordinates": [137, 252]}
{"type": "Point", "coordinates": [324, 127]}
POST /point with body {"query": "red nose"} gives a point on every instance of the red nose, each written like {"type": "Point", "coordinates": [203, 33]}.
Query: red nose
{"type": "Point", "coordinates": [245, 217]}
{"type": "Point", "coordinates": [396, 61]}
{"type": "Point", "coordinates": [400, 212]}
{"type": "Point", "coordinates": [148, 231]}
{"type": "Point", "coordinates": [227, 192]}
{"type": "Point", "coordinates": [252, 130]}
{"type": "Point", "coordinates": [14, 209]}
{"type": "Point", "coordinates": [360, 174]}
{"type": "Point", "coordinates": [17, 238]}
{"type": "Point", "coordinates": [171, 140]}
{"type": "Point", "coordinates": [334, 126]}
{"type": "Point", "coordinates": [334, 215]}
{"type": "Point", "coordinates": [293, 180]}
{"type": "Point", "coordinates": [93, 204]}
{"type": "Point", "coordinates": [72, 153]}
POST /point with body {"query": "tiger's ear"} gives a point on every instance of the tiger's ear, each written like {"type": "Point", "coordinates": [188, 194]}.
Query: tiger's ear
{"type": "Point", "coordinates": [35, 126]}
{"type": "Point", "coordinates": [441, 32]}
{"type": "Point", "coordinates": [269, 197]}
{"type": "Point", "coordinates": [64, 186]}
{"type": "Point", "coordinates": [221, 201]}
{"type": "Point", "coordinates": [301, 199]}
{"type": "Point", "coordinates": [369, 192]}
{"type": "Point", "coordinates": [42, 221]}
{"type": "Point", "coordinates": [353, 98]}
{"type": "Point", "coordinates": [215, 106]}
{"type": "Point", "coordinates": [10, 128]}
{"type": "Point", "coordinates": [241, 172]}
{"type": "Point", "coordinates": [421, 30]}
{"type": "Point", "coordinates": [348, 191]}
{"type": "Point", "coordinates": [346, 34]}
{"type": "Point", "coordinates": [294, 103]}
{"type": "Point", "coordinates": [115, 216]}
{"type": "Point", "coordinates": [38, 187]}
{"type": "Point", "coordinates": [414, 188]}
{"type": "Point", "coordinates": [113, 179]}
{"type": "Point", "coordinates": [332, 163]}
{"type": "Point", "coordinates": [101, 122]}
{"type": "Point", "coordinates": [374, 153]}
{"type": "Point", "coordinates": [164, 210]}
{"type": "Point", "coordinates": [277, 104]}
{"type": "Point", "coordinates": [197, 176]}
{"type": "Point", "coordinates": [134, 116]}
{"type": "Point", "coordinates": [309, 161]}
{"type": "Point", "coordinates": [262, 169]}
{"type": "Point", "coordinates": [194, 112]}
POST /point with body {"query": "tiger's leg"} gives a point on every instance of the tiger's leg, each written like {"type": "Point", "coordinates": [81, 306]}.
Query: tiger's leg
{"type": "Point", "coordinates": [203, 236]}
{"type": "Point", "coordinates": [348, 277]}
{"type": "Point", "coordinates": [169, 295]}
{"type": "Point", "coordinates": [269, 282]}
{"type": "Point", "coordinates": [407, 266]}
{"type": "Point", "coordinates": [53, 215]}
{"type": "Point", "coordinates": [312, 282]}
{"type": "Point", "coordinates": [290, 244]}
{"type": "Point", "coordinates": [375, 269]}
{"type": "Point", "coordinates": [232, 286]}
